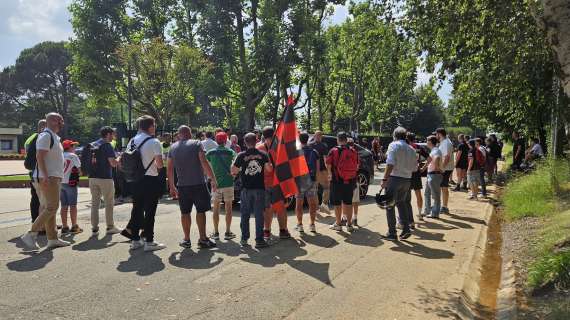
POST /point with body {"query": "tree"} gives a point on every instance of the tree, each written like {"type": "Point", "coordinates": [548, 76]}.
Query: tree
{"type": "Point", "coordinates": [429, 114]}
{"type": "Point", "coordinates": [556, 21]}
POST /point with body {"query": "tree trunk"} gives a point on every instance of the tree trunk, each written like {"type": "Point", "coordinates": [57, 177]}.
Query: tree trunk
{"type": "Point", "coordinates": [246, 95]}
{"type": "Point", "coordinates": [556, 21]}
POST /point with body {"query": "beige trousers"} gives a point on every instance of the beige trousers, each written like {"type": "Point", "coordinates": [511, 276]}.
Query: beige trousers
{"type": "Point", "coordinates": [102, 188]}
{"type": "Point", "coordinates": [49, 203]}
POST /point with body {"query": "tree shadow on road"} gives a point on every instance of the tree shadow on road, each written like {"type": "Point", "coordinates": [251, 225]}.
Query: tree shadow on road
{"type": "Point", "coordinates": [143, 263]}
{"type": "Point", "coordinates": [93, 243]}
{"type": "Point", "coordinates": [422, 251]}
{"type": "Point", "coordinates": [33, 262]}
{"type": "Point", "coordinates": [436, 303]}
{"type": "Point", "coordinates": [286, 252]}
{"type": "Point", "coordinates": [188, 259]}
{"type": "Point", "coordinates": [365, 237]}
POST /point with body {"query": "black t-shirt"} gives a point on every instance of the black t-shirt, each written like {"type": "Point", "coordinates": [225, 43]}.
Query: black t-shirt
{"type": "Point", "coordinates": [464, 148]}
{"type": "Point", "coordinates": [322, 150]}
{"type": "Point", "coordinates": [252, 163]}
{"type": "Point", "coordinates": [520, 143]}
{"type": "Point", "coordinates": [103, 169]}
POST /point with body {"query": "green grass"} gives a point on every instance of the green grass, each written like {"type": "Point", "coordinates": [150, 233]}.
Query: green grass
{"type": "Point", "coordinates": [508, 154]}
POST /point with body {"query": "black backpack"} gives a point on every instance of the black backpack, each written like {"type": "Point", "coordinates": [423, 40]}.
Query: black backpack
{"type": "Point", "coordinates": [131, 162]}
{"type": "Point", "coordinates": [88, 159]}
{"type": "Point", "coordinates": [30, 161]}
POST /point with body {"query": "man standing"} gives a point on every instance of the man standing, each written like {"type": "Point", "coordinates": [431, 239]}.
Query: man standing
{"type": "Point", "coordinates": [252, 165]}
{"type": "Point", "coordinates": [188, 159]}
{"type": "Point", "coordinates": [447, 164]}
{"type": "Point", "coordinates": [268, 182]}
{"type": "Point", "coordinates": [234, 144]}
{"type": "Point", "coordinates": [146, 190]}
{"type": "Point", "coordinates": [28, 146]}
{"type": "Point", "coordinates": [342, 166]}
{"type": "Point", "coordinates": [461, 161]}
{"type": "Point", "coordinates": [322, 174]}
{"type": "Point", "coordinates": [221, 160]}
{"type": "Point", "coordinates": [101, 182]}
{"type": "Point", "coordinates": [519, 148]}
{"type": "Point", "coordinates": [47, 182]}
{"type": "Point", "coordinates": [208, 143]}
{"type": "Point", "coordinates": [483, 155]}
{"type": "Point", "coordinates": [401, 161]}
{"type": "Point", "coordinates": [312, 159]}
{"type": "Point", "coordinates": [434, 177]}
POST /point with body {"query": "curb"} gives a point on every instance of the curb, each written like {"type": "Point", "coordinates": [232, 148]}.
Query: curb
{"type": "Point", "coordinates": [469, 306]}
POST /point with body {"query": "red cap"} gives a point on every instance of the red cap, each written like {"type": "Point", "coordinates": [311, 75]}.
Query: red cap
{"type": "Point", "coordinates": [67, 144]}
{"type": "Point", "coordinates": [221, 138]}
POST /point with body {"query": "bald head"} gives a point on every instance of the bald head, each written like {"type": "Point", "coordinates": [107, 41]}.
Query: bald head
{"type": "Point", "coordinates": [184, 132]}
{"type": "Point", "coordinates": [54, 121]}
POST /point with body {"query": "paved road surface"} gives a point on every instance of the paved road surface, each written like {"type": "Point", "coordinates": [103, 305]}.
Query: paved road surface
{"type": "Point", "coordinates": [328, 275]}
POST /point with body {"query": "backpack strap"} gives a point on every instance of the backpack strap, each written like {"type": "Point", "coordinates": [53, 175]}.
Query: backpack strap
{"type": "Point", "coordinates": [139, 148]}
{"type": "Point", "coordinates": [51, 143]}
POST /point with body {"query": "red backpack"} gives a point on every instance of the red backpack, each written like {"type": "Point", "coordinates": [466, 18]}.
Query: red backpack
{"type": "Point", "coordinates": [346, 164]}
{"type": "Point", "coordinates": [480, 158]}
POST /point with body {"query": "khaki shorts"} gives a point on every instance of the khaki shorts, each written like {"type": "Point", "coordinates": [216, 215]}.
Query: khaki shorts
{"type": "Point", "coordinates": [223, 194]}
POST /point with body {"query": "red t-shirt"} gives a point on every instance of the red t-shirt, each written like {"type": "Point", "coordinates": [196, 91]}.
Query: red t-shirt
{"type": "Point", "coordinates": [268, 175]}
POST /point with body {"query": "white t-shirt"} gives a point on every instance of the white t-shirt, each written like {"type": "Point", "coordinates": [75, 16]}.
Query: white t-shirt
{"type": "Point", "coordinates": [149, 150]}
{"type": "Point", "coordinates": [446, 148]}
{"type": "Point", "coordinates": [537, 150]}
{"type": "Point", "coordinates": [209, 144]}
{"type": "Point", "coordinates": [54, 157]}
{"type": "Point", "coordinates": [70, 160]}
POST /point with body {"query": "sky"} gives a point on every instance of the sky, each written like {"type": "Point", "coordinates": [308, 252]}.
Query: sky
{"type": "Point", "coordinates": [24, 23]}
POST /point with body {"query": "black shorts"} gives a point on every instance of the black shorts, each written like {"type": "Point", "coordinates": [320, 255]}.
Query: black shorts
{"type": "Point", "coordinates": [416, 181]}
{"type": "Point", "coordinates": [341, 193]}
{"type": "Point", "coordinates": [446, 177]}
{"type": "Point", "coordinates": [189, 196]}
{"type": "Point", "coordinates": [462, 164]}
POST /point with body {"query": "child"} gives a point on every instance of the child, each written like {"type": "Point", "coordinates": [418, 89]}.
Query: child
{"type": "Point", "coordinates": [68, 194]}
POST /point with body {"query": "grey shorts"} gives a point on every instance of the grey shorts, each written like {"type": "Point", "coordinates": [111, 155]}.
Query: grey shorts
{"type": "Point", "coordinates": [473, 177]}
{"type": "Point", "coordinates": [68, 195]}
{"type": "Point", "coordinates": [310, 193]}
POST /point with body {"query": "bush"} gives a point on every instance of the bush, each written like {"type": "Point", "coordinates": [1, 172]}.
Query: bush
{"type": "Point", "coordinates": [12, 156]}
{"type": "Point", "coordinates": [550, 270]}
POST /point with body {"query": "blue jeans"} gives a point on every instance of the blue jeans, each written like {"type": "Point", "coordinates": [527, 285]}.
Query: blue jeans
{"type": "Point", "coordinates": [398, 190]}
{"type": "Point", "coordinates": [252, 201]}
{"type": "Point", "coordinates": [433, 190]}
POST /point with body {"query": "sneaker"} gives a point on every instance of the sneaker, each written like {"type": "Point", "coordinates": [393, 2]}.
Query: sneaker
{"type": "Point", "coordinates": [325, 209]}
{"type": "Point", "coordinates": [390, 237]}
{"type": "Point", "coordinates": [229, 235]}
{"type": "Point", "coordinates": [136, 244]}
{"type": "Point", "coordinates": [113, 230]}
{"type": "Point", "coordinates": [95, 231]}
{"type": "Point", "coordinates": [355, 222]}
{"type": "Point", "coordinates": [299, 228]}
{"type": "Point", "coordinates": [336, 227]}
{"type": "Point", "coordinates": [64, 230]}
{"type": "Point", "coordinates": [126, 234]}
{"type": "Point", "coordinates": [29, 239]}
{"type": "Point", "coordinates": [215, 236]}
{"type": "Point", "coordinates": [57, 243]}
{"type": "Point", "coordinates": [261, 244]}
{"type": "Point", "coordinates": [350, 228]}
{"type": "Point", "coordinates": [153, 246]}
{"type": "Point", "coordinates": [186, 244]}
{"type": "Point", "coordinates": [433, 216]}
{"type": "Point", "coordinates": [206, 244]}
{"type": "Point", "coordinates": [266, 235]}
{"type": "Point", "coordinates": [405, 234]}
{"type": "Point", "coordinates": [457, 188]}
{"type": "Point", "coordinates": [284, 234]}
{"type": "Point", "coordinates": [76, 229]}
{"type": "Point", "coordinates": [312, 228]}
{"type": "Point", "coordinates": [444, 210]}
{"type": "Point", "coordinates": [244, 243]}
{"type": "Point", "coordinates": [343, 221]}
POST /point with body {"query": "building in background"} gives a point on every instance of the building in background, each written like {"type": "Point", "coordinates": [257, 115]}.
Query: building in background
{"type": "Point", "coordinates": [9, 139]}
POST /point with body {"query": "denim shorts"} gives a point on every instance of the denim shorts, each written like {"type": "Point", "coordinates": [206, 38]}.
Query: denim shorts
{"type": "Point", "coordinates": [310, 193]}
{"type": "Point", "coordinates": [474, 177]}
{"type": "Point", "coordinates": [68, 195]}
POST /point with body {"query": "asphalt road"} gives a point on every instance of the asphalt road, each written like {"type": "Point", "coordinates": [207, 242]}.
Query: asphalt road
{"type": "Point", "coordinates": [327, 275]}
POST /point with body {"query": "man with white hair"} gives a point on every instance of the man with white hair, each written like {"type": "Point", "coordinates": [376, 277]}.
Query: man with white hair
{"type": "Point", "coordinates": [401, 162]}
{"type": "Point", "coordinates": [47, 181]}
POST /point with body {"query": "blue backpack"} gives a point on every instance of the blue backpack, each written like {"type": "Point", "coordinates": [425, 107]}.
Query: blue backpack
{"type": "Point", "coordinates": [312, 159]}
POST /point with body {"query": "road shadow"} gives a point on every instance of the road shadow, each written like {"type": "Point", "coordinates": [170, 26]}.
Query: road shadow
{"type": "Point", "coordinates": [188, 259]}
{"type": "Point", "coordinates": [430, 224]}
{"type": "Point", "coordinates": [423, 235]}
{"type": "Point", "coordinates": [229, 247]}
{"type": "Point", "coordinates": [468, 219]}
{"type": "Point", "coordinates": [319, 240]}
{"type": "Point", "coordinates": [422, 251]}
{"type": "Point", "coordinates": [33, 262]}
{"type": "Point", "coordinates": [458, 224]}
{"type": "Point", "coordinates": [365, 237]}
{"type": "Point", "coordinates": [327, 219]}
{"type": "Point", "coordinates": [142, 263]}
{"type": "Point", "coordinates": [93, 243]}
{"type": "Point", "coordinates": [287, 252]}
{"type": "Point", "coordinates": [441, 304]}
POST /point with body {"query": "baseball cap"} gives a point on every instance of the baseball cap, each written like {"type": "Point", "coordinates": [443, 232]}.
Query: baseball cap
{"type": "Point", "coordinates": [68, 144]}
{"type": "Point", "coordinates": [221, 137]}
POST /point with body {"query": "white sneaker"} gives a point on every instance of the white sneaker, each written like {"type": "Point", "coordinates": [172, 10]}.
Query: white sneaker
{"type": "Point", "coordinates": [324, 208]}
{"type": "Point", "coordinates": [153, 246]}
{"type": "Point", "coordinates": [57, 243]}
{"type": "Point", "coordinates": [29, 239]}
{"type": "Point", "coordinates": [113, 230]}
{"type": "Point", "coordinates": [299, 228]}
{"type": "Point", "coordinates": [136, 244]}
{"type": "Point", "coordinates": [312, 228]}
{"type": "Point", "coordinates": [336, 227]}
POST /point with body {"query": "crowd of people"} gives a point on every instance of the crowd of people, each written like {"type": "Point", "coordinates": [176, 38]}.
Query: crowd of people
{"type": "Point", "coordinates": [201, 175]}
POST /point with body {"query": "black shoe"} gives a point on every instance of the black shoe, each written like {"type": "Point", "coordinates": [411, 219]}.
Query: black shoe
{"type": "Point", "coordinates": [261, 244]}
{"type": "Point", "coordinates": [284, 234]}
{"type": "Point", "coordinates": [405, 234]}
{"type": "Point", "coordinates": [390, 237]}
{"type": "Point", "coordinates": [126, 234]}
{"type": "Point", "coordinates": [206, 244]}
{"type": "Point", "coordinates": [65, 230]}
{"type": "Point", "coordinates": [457, 188]}
{"type": "Point", "coordinates": [186, 244]}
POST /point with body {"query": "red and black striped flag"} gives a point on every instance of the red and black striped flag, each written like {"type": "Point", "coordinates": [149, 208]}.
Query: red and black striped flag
{"type": "Point", "coordinates": [290, 172]}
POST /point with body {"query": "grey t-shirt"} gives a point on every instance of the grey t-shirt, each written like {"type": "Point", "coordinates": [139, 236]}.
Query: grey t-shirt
{"type": "Point", "coordinates": [185, 156]}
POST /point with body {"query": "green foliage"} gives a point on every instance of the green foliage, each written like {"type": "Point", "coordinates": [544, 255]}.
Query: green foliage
{"type": "Point", "coordinates": [428, 113]}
